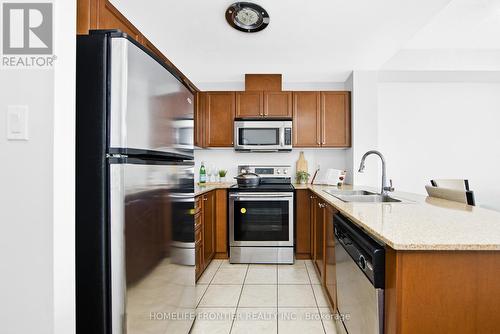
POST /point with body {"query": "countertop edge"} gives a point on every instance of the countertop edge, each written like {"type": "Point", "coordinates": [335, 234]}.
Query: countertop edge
{"type": "Point", "coordinates": [200, 190]}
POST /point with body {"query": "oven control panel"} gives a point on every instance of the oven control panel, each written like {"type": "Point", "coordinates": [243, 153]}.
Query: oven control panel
{"type": "Point", "coordinates": [266, 171]}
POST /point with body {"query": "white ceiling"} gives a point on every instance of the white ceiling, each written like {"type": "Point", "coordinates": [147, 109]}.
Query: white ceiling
{"type": "Point", "coordinates": [307, 41]}
{"type": "Point", "coordinates": [463, 24]}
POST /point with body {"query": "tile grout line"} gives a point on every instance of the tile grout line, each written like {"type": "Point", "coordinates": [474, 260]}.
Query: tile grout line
{"type": "Point", "coordinates": [239, 298]}
{"type": "Point", "coordinates": [208, 285]}
{"type": "Point", "coordinates": [316, 300]}
{"type": "Point", "coordinates": [277, 298]}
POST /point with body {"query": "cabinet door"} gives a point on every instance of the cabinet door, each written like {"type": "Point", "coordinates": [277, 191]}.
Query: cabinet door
{"type": "Point", "coordinates": [277, 104]}
{"type": "Point", "coordinates": [312, 219]}
{"type": "Point", "coordinates": [221, 244]}
{"type": "Point", "coordinates": [198, 255]}
{"type": "Point", "coordinates": [330, 275]}
{"type": "Point", "coordinates": [335, 119]}
{"type": "Point", "coordinates": [219, 118]}
{"type": "Point", "coordinates": [319, 256]}
{"type": "Point", "coordinates": [199, 112]}
{"type": "Point", "coordinates": [306, 119]}
{"type": "Point", "coordinates": [249, 104]}
{"type": "Point", "coordinates": [208, 226]}
{"type": "Point", "coordinates": [303, 224]}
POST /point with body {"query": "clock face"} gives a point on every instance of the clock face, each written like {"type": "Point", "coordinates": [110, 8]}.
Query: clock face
{"type": "Point", "coordinates": [247, 17]}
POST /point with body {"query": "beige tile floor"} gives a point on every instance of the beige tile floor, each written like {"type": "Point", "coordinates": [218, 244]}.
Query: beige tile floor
{"type": "Point", "coordinates": [257, 299]}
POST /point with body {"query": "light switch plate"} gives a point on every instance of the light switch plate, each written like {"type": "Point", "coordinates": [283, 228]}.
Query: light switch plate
{"type": "Point", "coordinates": [17, 122]}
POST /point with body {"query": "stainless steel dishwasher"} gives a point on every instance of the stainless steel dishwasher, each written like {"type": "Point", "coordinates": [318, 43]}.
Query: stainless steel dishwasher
{"type": "Point", "coordinates": [360, 270]}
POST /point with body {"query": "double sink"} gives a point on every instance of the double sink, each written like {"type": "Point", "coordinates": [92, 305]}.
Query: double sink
{"type": "Point", "coordinates": [360, 196]}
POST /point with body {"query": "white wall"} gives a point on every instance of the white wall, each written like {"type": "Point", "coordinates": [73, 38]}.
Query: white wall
{"type": "Point", "coordinates": [64, 167]}
{"type": "Point", "coordinates": [286, 85]}
{"type": "Point", "coordinates": [229, 159]}
{"type": "Point", "coordinates": [442, 130]}
{"type": "Point", "coordinates": [363, 85]}
{"type": "Point", "coordinates": [26, 290]}
{"type": "Point", "coordinates": [37, 192]}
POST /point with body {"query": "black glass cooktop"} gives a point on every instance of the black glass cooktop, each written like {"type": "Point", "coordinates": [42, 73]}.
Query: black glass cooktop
{"type": "Point", "coordinates": [263, 188]}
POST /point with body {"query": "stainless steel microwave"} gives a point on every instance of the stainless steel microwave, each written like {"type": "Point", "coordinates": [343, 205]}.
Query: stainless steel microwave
{"type": "Point", "coordinates": [273, 135]}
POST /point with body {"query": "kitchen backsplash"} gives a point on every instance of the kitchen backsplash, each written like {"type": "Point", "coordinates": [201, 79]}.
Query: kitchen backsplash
{"type": "Point", "coordinates": [229, 159]}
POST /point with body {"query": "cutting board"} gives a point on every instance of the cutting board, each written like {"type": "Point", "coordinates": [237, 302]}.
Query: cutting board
{"type": "Point", "coordinates": [301, 163]}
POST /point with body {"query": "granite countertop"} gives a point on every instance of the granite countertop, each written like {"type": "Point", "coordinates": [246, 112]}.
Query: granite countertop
{"type": "Point", "coordinates": [201, 188]}
{"type": "Point", "coordinates": [418, 223]}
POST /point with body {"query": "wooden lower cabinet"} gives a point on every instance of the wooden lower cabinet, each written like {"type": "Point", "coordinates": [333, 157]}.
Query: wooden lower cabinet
{"type": "Point", "coordinates": [221, 225]}
{"type": "Point", "coordinates": [330, 273]}
{"type": "Point", "coordinates": [303, 224]}
{"type": "Point", "coordinates": [198, 246]}
{"type": "Point", "coordinates": [319, 246]}
{"type": "Point", "coordinates": [208, 226]}
{"type": "Point", "coordinates": [314, 220]}
{"type": "Point", "coordinates": [210, 220]}
{"type": "Point", "coordinates": [442, 292]}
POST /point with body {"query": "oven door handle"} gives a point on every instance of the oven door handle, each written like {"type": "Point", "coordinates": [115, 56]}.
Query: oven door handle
{"type": "Point", "coordinates": [259, 196]}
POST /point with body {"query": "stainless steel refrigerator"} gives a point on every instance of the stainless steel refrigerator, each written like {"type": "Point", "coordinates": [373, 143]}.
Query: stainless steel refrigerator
{"type": "Point", "coordinates": [135, 191]}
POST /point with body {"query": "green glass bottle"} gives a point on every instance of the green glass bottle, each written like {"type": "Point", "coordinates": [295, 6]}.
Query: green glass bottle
{"type": "Point", "coordinates": [203, 173]}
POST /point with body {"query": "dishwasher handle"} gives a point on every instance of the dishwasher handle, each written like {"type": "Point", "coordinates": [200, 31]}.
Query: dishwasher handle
{"type": "Point", "coordinates": [368, 254]}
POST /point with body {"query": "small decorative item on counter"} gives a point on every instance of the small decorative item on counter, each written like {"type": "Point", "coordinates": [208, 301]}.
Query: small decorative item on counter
{"type": "Point", "coordinates": [340, 183]}
{"type": "Point", "coordinates": [301, 163]}
{"type": "Point", "coordinates": [222, 175]}
{"type": "Point", "coordinates": [302, 176]}
{"type": "Point", "coordinates": [330, 176]}
{"type": "Point", "coordinates": [203, 173]}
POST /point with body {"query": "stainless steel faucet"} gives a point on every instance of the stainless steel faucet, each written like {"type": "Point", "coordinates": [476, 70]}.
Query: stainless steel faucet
{"type": "Point", "coordinates": [386, 187]}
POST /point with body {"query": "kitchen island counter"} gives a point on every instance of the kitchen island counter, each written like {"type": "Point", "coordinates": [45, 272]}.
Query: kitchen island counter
{"type": "Point", "coordinates": [419, 222]}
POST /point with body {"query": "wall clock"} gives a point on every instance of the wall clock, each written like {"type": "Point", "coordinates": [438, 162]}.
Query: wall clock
{"type": "Point", "coordinates": [247, 17]}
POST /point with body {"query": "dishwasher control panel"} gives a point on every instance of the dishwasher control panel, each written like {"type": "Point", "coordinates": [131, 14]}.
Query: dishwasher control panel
{"type": "Point", "coordinates": [366, 252]}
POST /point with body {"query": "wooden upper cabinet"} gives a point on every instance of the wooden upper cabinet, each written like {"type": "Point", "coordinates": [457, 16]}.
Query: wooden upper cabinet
{"type": "Point", "coordinates": [219, 118]}
{"type": "Point", "coordinates": [199, 112]}
{"type": "Point", "coordinates": [306, 119]}
{"type": "Point", "coordinates": [335, 119]}
{"type": "Point", "coordinates": [102, 15]}
{"type": "Point", "coordinates": [277, 104]}
{"type": "Point", "coordinates": [249, 104]}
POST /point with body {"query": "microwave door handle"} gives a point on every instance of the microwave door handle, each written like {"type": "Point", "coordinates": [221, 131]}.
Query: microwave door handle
{"type": "Point", "coordinates": [282, 137]}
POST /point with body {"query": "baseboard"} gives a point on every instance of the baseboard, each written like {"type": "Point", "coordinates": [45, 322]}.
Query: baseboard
{"type": "Point", "coordinates": [302, 256]}
{"type": "Point", "coordinates": [221, 256]}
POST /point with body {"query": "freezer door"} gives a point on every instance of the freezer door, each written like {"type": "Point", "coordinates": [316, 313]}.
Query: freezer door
{"type": "Point", "coordinates": [152, 247]}
{"type": "Point", "coordinates": [150, 109]}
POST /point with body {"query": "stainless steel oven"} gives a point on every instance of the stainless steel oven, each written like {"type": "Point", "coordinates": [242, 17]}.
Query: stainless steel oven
{"type": "Point", "coordinates": [261, 227]}
{"type": "Point", "coordinates": [263, 135]}
{"type": "Point", "coordinates": [261, 218]}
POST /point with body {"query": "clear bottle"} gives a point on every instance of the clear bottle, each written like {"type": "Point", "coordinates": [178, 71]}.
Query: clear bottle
{"type": "Point", "coordinates": [203, 173]}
